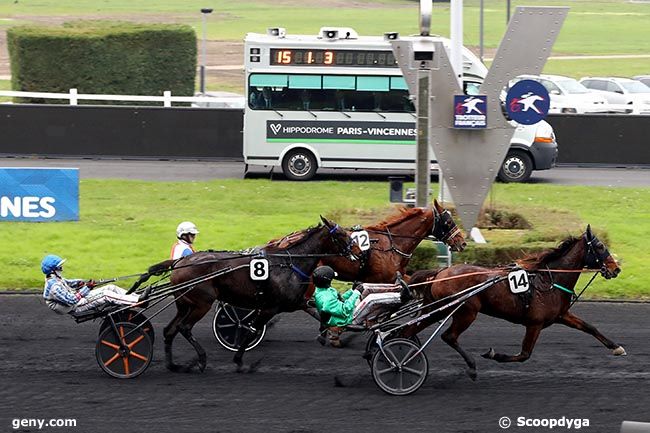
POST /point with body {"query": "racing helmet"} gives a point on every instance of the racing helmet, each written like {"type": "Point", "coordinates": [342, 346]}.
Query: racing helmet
{"type": "Point", "coordinates": [51, 263]}
{"type": "Point", "coordinates": [185, 228]}
{"type": "Point", "coordinates": [322, 276]}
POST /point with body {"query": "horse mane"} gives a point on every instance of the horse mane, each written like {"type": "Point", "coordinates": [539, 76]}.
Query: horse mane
{"type": "Point", "coordinates": [292, 239]}
{"type": "Point", "coordinates": [535, 260]}
{"type": "Point", "coordinates": [403, 214]}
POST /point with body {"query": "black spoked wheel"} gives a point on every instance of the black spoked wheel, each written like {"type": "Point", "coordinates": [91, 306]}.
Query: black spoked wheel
{"type": "Point", "coordinates": [399, 369]}
{"type": "Point", "coordinates": [124, 355]}
{"type": "Point", "coordinates": [371, 346]}
{"type": "Point", "coordinates": [231, 323]}
{"type": "Point", "coordinates": [131, 316]}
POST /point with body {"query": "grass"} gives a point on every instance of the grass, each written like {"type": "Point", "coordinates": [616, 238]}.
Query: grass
{"type": "Point", "coordinates": [588, 29]}
{"type": "Point", "coordinates": [126, 226]}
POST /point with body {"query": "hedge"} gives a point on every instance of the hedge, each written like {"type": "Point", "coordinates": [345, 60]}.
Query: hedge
{"type": "Point", "coordinates": [98, 57]}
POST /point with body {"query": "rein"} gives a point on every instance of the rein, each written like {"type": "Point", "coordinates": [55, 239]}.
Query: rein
{"type": "Point", "coordinates": [434, 280]}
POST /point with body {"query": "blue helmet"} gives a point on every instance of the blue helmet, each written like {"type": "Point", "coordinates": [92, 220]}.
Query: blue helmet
{"type": "Point", "coordinates": [51, 263]}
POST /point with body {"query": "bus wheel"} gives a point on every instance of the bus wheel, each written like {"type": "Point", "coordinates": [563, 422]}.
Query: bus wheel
{"type": "Point", "coordinates": [299, 164]}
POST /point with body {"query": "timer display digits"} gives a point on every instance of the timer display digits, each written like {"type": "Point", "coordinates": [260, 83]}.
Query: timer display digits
{"type": "Point", "coordinates": [349, 58]}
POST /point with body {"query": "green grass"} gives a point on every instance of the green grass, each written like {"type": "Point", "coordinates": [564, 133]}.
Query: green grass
{"type": "Point", "coordinates": [589, 28]}
{"type": "Point", "coordinates": [126, 226]}
{"type": "Point", "coordinates": [5, 85]}
{"type": "Point", "coordinates": [594, 68]}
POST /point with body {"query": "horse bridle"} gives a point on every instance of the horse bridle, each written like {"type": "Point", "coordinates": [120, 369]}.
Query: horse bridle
{"type": "Point", "coordinates": [344, 250]}
{"type": "Point", "coordinates": [442, 226]}
{"type": "Point", "coordinates": [593, 259]}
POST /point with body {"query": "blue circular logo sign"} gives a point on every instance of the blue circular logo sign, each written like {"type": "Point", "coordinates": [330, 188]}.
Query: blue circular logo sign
{"type": "Point", "coordinates": [527, 102]}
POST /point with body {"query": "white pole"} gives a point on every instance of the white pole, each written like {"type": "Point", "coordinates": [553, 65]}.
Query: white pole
{"type": "Point", "coordinates": [167, 95]}
{"type": "Point", "coordinates": [456, 54]}
{"type": "Point", "coordinates": [73, 97]}
{"type": "Point", "coordinates": [457, 39]}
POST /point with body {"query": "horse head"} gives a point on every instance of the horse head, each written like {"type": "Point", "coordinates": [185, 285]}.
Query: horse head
{"type": "Point", "coordinates": [597, 256]}
{"type": "Point", "coordinates": [341, 240]}
{"type": "Point", "coordinates": [445, 228]}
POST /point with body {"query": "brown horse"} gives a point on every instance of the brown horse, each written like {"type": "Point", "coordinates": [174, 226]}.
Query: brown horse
{"type": "Point", "coordinates": [393, 242]}
{"type": "Point", "coordinates": [290, 262]}
{"type": "Point", "coordinates": [553, 275]}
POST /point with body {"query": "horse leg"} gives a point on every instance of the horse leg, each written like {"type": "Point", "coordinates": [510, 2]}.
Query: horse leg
{"type": "Point", "coordinates": [572, 321]}
{"type": "Point", "coordinates": [262, 318]}
{"type": "Point", "coordinates": [532, 332]}
{"type": "Point", "coordinates": [170, 332]}
{"type": "Point", "coordinates": [186, 331]}
{"type": "Point", "coordinates": [460, 322]}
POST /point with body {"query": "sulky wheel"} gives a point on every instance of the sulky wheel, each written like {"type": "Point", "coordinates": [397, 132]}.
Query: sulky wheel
{"type": "Point", "coordinates": [230, 325]}
{"type": "Point", "coordinates": [397, 370]}
{"type": "Point", "coordinates": [133, 317]}
{"type": "Point", "coordinates": [126, 354]}
{"type": "Point", "coordinates": [371, 346]}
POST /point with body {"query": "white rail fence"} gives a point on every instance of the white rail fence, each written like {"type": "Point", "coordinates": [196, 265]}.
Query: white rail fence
{"type": "Point", "coordinates": [74, 97]}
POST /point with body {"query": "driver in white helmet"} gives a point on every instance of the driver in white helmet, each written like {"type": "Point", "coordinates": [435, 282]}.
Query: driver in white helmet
{"type": "Point", "coordinates": [186, 233]}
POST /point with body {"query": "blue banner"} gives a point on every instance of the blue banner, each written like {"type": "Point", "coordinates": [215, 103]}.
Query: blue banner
{"type": "Point", "coordinates": [39, 194]}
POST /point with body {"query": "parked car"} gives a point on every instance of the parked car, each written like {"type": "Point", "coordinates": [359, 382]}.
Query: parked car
{"type": "Point", "coordinates": [645, 79]}
{"type": "Point", "coordinates": [629, 95]}
{"type": "Point", "coordinates": [568, 96]}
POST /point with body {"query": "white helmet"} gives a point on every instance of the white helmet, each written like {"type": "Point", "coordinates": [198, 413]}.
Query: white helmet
{"type": "Point", "coordinates": [186, 227]}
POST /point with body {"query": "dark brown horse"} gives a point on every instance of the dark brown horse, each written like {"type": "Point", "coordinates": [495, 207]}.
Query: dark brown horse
{"type": "Point", "coordinates": [291, 261]}
{"type": "Point", "coordinates": [554, 274]}
{"type": "Point", "coordinates": [393, 242]}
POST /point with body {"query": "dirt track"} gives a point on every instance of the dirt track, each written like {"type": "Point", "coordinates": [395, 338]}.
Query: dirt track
{"type": "Point", "coordinates": [48, 370]}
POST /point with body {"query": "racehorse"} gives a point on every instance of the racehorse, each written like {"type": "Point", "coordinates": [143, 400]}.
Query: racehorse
{"type": "Point", "coordinates": [550, 295]}
{"type": "Point", "coordinates": [291, 262]}
{"type": "Point", "coordinates": [393, 242]}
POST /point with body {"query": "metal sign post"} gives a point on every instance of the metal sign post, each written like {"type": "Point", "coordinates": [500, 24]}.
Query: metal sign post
{"type": "Point", "coordinates": [469, 159]}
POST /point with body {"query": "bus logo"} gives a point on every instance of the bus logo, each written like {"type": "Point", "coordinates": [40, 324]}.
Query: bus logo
{"type": "Point", "coordinates": [470, 112]}
{"type": "Point", "coordinates": [275, 127]}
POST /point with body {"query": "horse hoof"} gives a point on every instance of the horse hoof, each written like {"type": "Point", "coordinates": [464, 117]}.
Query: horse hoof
{"type": "Point", "coordinates": [471, 372]}
{"type": "Point", "coordinates": [619, 351]}
{"type": "Point", "coordinates": [254, 366]}
{"type": "Point", "coordinates": [489, 354]}
{"type": "Point", "coordinates": [322, 340]}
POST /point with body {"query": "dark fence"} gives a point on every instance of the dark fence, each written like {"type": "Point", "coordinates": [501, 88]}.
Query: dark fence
{"type": "Point", "coordinates": [131, 132]}
{"type": "Point", "coordinates": [602, 139]}
{"type": "Point", "coordinates": [204, 133]}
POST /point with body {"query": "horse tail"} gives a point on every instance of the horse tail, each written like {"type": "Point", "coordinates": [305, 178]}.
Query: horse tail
{"type": "Point", "coordinates": [161, 267]}
{"type": "Point", "coordinates": [418, 280]}
{"type": "Point", "coordinates": [156, 269]}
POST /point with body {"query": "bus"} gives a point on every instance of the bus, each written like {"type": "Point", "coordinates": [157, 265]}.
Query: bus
{"type": "Point", "coordinates": [332, 100]}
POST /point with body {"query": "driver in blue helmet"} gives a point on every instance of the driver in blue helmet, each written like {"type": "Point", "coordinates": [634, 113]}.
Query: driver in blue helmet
{"type": "Point", "coordinates": [66, 296]}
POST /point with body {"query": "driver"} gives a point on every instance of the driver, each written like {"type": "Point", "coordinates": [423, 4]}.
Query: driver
{"type": "Point", "coordinates": [355, 305]}
{"type": "Point", "coordinates": [65, 296]}
{"type": "Point", "coordinates": [186, 233]}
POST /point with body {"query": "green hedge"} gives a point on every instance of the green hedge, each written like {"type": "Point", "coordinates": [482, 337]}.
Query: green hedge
{"type": "Point", "coordinates": [103, 58]}
{"type": "Point", "coordinates": [488, 255]}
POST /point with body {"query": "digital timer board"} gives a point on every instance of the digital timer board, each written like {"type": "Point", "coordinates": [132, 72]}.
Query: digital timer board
{"type": "Point", "coordinates": [345, 58]}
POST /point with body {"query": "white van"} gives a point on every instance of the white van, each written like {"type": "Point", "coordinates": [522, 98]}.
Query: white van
{"type": "Point", "coordinates": [338, 100]}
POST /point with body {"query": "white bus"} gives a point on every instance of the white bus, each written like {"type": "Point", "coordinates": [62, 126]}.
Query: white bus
{"type": "Point", "coordinates": [335, 100]}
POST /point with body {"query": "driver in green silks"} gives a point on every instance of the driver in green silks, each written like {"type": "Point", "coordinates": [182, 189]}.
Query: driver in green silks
{"type": "Point", "coordinates": [355, 306]}
{"type": "Point", "coordinates": [339, 307]}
